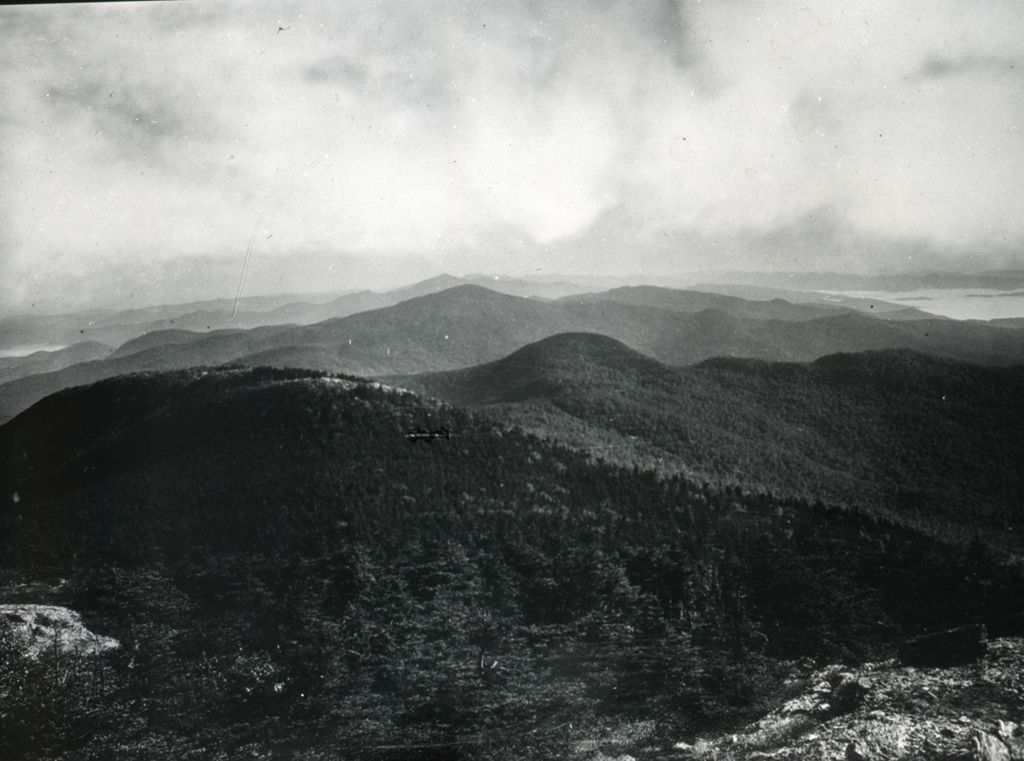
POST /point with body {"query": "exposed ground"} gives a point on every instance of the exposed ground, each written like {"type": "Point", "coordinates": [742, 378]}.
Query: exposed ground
{"type": "Point", "coordinates": [892, 712]}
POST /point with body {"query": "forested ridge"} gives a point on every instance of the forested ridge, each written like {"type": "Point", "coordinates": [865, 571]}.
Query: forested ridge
{"type": "Point", "coordinates": [924, 439]}
{"type": "Point", "coordinates": [288, 573]}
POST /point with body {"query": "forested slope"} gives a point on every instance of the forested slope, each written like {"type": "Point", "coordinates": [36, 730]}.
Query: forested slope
{"type": "Point", "coordinates": [929, 439]}
{"type": "Point", "coordinates": [287, 573]}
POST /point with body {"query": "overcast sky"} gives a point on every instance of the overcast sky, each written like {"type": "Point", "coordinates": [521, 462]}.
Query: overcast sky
{"type": "Point", "coordinates": [144, 145]}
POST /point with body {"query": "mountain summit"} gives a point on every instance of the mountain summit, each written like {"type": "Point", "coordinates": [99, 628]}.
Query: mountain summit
{"type": "Point", "coordinates": [546, 368]}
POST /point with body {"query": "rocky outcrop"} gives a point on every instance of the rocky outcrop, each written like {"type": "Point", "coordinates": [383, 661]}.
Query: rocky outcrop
{"type": "Point", "coordinates": [890, 712]}
{"type": "Point", "coordinates": [37, 629]}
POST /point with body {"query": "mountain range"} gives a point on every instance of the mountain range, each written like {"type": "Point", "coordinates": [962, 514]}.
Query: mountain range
{"type": "Point", "coordinates": [114, 327]}
{"type": "Point", "coordinates": [466, 325]}
{"type": "Point", "coordinates": [44, 361]}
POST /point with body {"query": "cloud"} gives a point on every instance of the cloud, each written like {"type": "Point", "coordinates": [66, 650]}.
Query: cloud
{"type": "Point", "coordinates": [936, 66]}
{"type": "Point", "coordinates": [819, 110]}
{"type": "Point", "coordinates": [133, 120]}
{"type": "Point", "coordinates": [452, 131]}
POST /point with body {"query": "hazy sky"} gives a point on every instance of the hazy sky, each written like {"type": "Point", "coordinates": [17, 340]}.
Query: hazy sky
{"type": "Point", "coordinates": [143, 145]}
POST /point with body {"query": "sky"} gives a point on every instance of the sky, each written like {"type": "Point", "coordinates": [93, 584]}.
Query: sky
{"type": "Point", "coordinates": [168, 151]}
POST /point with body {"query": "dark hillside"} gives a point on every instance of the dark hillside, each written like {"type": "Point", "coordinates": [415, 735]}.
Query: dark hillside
{"type": "Point", "coordinates": [170, 337]}
{"type": "Point", "coordinates": [893, 431]}
{"type": "Point", "coordinates": [541, 370]}
{"type": "Point", "coordinates": [288, 574]}
{"type": "Point", "coordinates": [162, 350]}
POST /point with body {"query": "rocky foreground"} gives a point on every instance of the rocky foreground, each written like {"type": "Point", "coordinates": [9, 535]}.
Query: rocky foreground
{"type": "Point", "coordinates": [33, 630]}
{"type": "Point", "coordinates": [889, 712]}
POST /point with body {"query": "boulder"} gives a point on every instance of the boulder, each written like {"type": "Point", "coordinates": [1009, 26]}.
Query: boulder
{"type": "Point", "coordinates": [849, 694]}
{"type": "Point", "coordinates": [953, 647]}
{"type": "Point", "coordinates": [35, 630]}
{"type": "Point", "coordinates": [1012, 735]}
{"type": "Point", "coordinates": [857, 750]}
{"type": "Point", "coordinates": [989, 748]}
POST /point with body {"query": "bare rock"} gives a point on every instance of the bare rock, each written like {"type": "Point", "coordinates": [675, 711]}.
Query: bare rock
{"type": "Point", "coordinates": [878, 741]}
{"type": "Point", "coordinates": [1012, 735]}
{"type": "Point", "coordinates": [849, 694]}
{"type": "Point", "coordinates": [1007, 729]}
{"type": "Point", "coordinates": [858, 750]}
{"type": "Point", "coordinates": [38, 629]}
{"type": "Point", "coordinates": [989, 748]}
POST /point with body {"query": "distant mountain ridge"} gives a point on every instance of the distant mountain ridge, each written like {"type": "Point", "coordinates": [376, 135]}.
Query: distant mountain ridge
{"type": "Point", "coordinates": [897, 281]}
{"type": "Point", "coordinates": [884, 309]}
{"type": "Point", "coordinates": [692, 301]}
{"type": "Point", "coordinates": [12, 368]}
{"type": "Point", "coordinates": [116, 327]}
{"type": "Point", "coordinates": [468, 325]}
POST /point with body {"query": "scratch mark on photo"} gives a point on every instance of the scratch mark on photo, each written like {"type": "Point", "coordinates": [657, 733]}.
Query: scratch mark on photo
{"type": "Point", "coordinates": [245, 264]}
